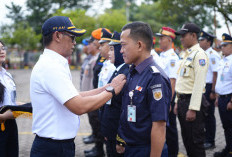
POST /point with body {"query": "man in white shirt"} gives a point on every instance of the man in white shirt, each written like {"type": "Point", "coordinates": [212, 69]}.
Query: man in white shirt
{"type": "Point", "coordinates": [224, 90]}
{"type": "Point", "coordinates": [55, 101]}
{"type": "Point", "coordinates": [206, 42]}
{"type": "Point", "coordinates": [169, 60]}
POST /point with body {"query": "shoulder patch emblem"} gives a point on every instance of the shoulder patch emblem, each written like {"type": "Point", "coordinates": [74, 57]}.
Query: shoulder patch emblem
{"type": "Point", "coordinates": [202, 62]}
{"type": "Point", "coordinates": [213, 60]}
{"type": "Point", "coordinates": [157, 93]}
{"type": "Point", "coordinates": [154, 69]}
{"type": "Point", "coordinates": [172, 62]}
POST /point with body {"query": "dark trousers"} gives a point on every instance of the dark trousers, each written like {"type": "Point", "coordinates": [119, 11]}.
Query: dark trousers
{"type": "Point", "coordinates": [111, 149]}
{"type": "Point", "coordinates": [193, 134]}
{"type": "Point", "coordinates": [95, 125]}
{"type": "Point", "coordinates": [172, 134]}
{"type": "Point", "coordinates": [210, 121]}
{"type": "Point", "coordinates": [143, 151]}
{"type": "Point", "coordinates": [9, 146]}
{"type": "Point", "coordinates": [226, 118]}
{"type": "Point", "coordinates": [51, 148]}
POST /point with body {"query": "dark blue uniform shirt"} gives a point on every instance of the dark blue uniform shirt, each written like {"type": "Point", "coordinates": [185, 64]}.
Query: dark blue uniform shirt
{"type": "Point", "coordinates": [110, 114]}
{"type": "Point", "coordinates": [152, 98]}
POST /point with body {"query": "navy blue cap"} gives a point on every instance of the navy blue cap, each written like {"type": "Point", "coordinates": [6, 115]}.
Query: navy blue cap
{"type": "Point", "coordinates": [205, 35]}
{"type": "Point", "coordinates": [105, 36]}
{"type": "Point", "coordinates": [188, 27]}
{"type": "Point", "coordinates": [61, 23]}
{"type": "Point", "coordinates": [115, 39]}
{"type": "Point", "coordinates": [226, 39]}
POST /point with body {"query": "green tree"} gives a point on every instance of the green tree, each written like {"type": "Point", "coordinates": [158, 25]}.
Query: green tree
{"type": "Point", "coordinates": [112, 19]}
{"type": "Point", "coordinates": [15, 13]}
{"type": "Point", "coordinates": [80, 20]}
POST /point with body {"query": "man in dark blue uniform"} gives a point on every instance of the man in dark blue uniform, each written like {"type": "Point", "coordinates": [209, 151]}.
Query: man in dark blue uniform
{"type": "Point", "coordinates": [146, 95]}
{"type": "Point", "coordinates": [110, 112]}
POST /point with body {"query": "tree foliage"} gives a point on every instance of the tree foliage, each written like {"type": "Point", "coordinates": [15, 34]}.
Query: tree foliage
{"type": "Point", "coordinates": [23, 37]}
{"type": "Point", "coordinates": [112, 19]}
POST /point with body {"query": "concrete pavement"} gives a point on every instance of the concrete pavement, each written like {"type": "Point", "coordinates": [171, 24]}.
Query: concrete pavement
{"type": "Point", "coordinates": [22, 79]}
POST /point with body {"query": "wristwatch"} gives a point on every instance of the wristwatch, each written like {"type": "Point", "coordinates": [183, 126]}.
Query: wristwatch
{"type": "Point", "coordinates": [110, 89]}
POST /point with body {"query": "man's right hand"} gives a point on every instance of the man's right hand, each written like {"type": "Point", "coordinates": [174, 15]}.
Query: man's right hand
{"type": "Point", "coordinates": [118, 83]}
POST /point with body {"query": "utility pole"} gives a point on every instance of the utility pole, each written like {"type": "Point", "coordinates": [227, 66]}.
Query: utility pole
{"type": "Point", "coordinates": [127, 10]}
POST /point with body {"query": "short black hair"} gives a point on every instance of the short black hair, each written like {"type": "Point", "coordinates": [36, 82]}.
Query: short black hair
{"type": "Point", "coordinates": [2, 42]}
{"type": "Point", "coordinates": [140, 31]}
{"type": "Point", "coordinates": [47, 39]}
{"type": "Point", "coordinates": [210, 40]}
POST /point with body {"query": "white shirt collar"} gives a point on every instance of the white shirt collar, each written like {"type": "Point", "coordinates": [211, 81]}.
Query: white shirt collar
{"type": "Point", "coordinates": [228, 57]}
{"type": "Point", "coordinates": [55, 55]}
{"type": "Point", "coordinates": [208, 50]}
{"type": "Point", "coordinates": [3, 71]}
{"type": "Point", "coordinates": [167, 52]}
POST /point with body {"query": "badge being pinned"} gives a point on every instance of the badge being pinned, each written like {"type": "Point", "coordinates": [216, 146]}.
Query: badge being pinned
{"type": "Point", "coordinates": [157, 93]}
{"type": "Point", "coordinates": [202, 62]}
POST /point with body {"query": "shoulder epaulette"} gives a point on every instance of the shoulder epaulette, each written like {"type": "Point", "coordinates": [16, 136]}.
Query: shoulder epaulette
{"type": "Point", "coordinates": [154, 69]}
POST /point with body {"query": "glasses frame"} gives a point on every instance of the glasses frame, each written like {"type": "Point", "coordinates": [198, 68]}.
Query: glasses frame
{"type": "Point", "coordinates": [73, 37]}
{"type": "Point", "coordinates": [3, 48]}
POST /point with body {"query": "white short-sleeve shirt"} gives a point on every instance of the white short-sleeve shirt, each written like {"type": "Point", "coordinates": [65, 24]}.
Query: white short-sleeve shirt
{"type": "Point", "coordinates": [156, 58]}
{"type": "Point", "coordinates": [50, 87]}
{"type": "Point", "coordinates": [224, 76]}
{"type": "Point", "coordinates": [106, 72]}
{"type": "Point", "coordinates": [170, 63]}
{"type": "Point", "coordinates": [10, 89]}
{"type": "Point", "coordinates": [214, 59]}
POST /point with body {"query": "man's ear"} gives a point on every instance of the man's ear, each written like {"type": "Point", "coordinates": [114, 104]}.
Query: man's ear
{"type": "Point", "coordinates": [56, 36]}
{"type": "Point", "coordinates": [141, 45]}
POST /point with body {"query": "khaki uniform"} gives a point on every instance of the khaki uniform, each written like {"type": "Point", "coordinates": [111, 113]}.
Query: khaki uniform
{"type": "Point", "coordinates": [192, 75]}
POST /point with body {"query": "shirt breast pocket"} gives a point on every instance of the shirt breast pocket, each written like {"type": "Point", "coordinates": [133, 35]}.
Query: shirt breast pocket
{"type": "Point", "coordinates": [138, 98]}
{"type": "Point", "coordinates": [185, 71]}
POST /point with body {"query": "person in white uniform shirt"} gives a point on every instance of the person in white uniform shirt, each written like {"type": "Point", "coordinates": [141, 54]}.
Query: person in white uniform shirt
{"type": "Point", "coordinates": [224, 90]}
{"type": "Point", "coordinates": [169, 60]}
{"type": "Point", "coordinates": [55, 101]}
{"type": "Point", "coordinates": [108, 68]}
{"type": "Point", "coordinates": [206, 42]}
{"type": "Point", "coordinates": [8, 131]}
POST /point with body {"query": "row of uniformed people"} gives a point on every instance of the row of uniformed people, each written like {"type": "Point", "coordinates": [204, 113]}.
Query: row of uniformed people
{"type": "Point", "coordinates": [110, 113]}
{"type": "Point", "coordinates": [169, 63]}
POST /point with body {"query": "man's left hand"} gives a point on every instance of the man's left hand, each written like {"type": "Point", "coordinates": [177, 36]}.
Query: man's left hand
{"type": "Point", "coordinates": [190, 115]}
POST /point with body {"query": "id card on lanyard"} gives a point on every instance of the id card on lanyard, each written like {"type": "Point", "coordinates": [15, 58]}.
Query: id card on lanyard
{"type": "Point", "coordinates": [131, 109]}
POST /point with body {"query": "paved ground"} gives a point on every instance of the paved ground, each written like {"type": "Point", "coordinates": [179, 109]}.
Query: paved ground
{"type": "Point", "coordinates": [22, 79]}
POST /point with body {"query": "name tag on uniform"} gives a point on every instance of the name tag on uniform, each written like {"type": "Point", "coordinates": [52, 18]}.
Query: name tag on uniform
{"type": "Point", "coordinates": [222, 77]}
{"type": "Point", "coordinates": [182, 71]}
{"type": "Point", "coordinates": [131, 113]}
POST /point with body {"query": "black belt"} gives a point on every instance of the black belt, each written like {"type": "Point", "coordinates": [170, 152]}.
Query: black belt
{"type": "Point", "coordinates": [183, 96]}
{"type": "Point", "coordinates": [52, 140]}
{"type": "Point", "coordinates": [225, 96]}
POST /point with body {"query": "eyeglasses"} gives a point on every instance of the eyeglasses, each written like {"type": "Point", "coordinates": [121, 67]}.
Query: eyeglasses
{"type": "Point", "coordinates": [73, 37]}
{"type": "Point", "coordinates": [2, 48]}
